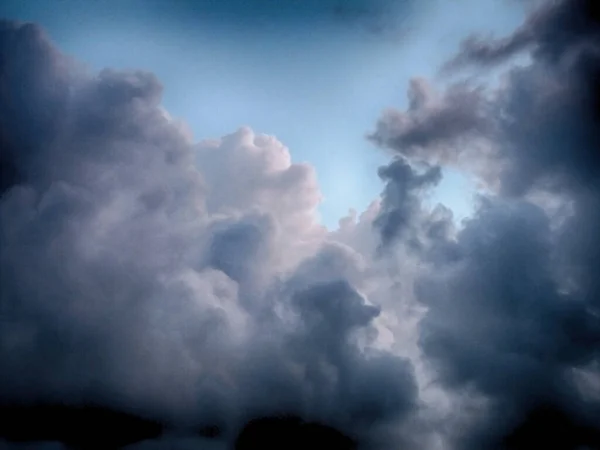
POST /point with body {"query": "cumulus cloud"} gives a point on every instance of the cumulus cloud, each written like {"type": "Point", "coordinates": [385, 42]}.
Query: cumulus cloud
{"type": "Point", "coordinates": [498, 321]}
{"type": "Point", "coordinates": [159, 292]}
{"type": "Point", "coordinates": [169, 289]}
{"type": "Point", "coordinates": [512, 303]}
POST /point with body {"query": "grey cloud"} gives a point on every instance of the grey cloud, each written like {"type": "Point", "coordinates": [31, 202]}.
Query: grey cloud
{"type": "Point", "coordinates": [170, 289]}
{"type": "Point", "coordinates": [498, 321]}
{"type": "Point", "coordinates": [37, 58]}
{"type": "Point", "coordinates": [538, 130]}
{"type": "Point", "coordinates": [342, 387]}
{"type": "Point", "coordinates": [552, 111]}
{"type": "Point", "coordinates": [552, 29]}
{"type": "Point", "coordinates": [512, 300]}
{"type": "Point", "coordinates": [435, 127]}
{"type": "Point", "coordinates": [400, 199]}
{"type": "Point", "coordinates": [487, 52]}
{"type": "Point", "coordinates": [239, 246]}
{"type": "Point", "coordinates": [189, 288]}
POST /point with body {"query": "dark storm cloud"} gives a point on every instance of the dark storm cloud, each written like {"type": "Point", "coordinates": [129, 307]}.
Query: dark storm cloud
{"type": "Point", "coordinates": [498, 321]}
{"type": "Point", "coordinates": [161, 293]}
{"type": "Point", "coordinates": [185, 294]}
{"type": "Point", "coordinates": [539, 128]}
{"type": "Point", "coordinates": [513, 302]}
{"type": "Point", "coordinates": [554, 28]}
{"type": "Point", "coordinates": [36, 59]}
{"type": "Point", "coordinates": [552, 107]}
{"type": "Point", "coordinates": [552, 111]}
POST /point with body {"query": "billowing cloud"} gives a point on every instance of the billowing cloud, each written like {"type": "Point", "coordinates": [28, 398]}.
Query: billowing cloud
{"type": "Point", "coordinates": [432, 119]}
{"type": "Point", "coordinates": [512, 320]}
{"type": "Point", "coordinates": [170, 289]}
{"type": "Point", "coordinates": [185, 294]}
{"type": "Point", "coordinates": [452, 128]}
{"type": "Point", "coordinates": [499, 322]}
{"type": "Point", "coordinates": [536, 130]}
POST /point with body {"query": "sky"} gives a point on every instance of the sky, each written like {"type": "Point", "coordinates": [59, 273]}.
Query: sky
{"type": "Point", "coordinates": [363, 225]}
{"type": "Point", "coordinates": [280, 70]}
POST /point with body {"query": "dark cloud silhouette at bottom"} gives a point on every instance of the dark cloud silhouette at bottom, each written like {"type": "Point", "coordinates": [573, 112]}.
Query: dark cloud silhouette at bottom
{"type": "Point", "coordinates": [77, 427]}
{"type": "Point", "coordinates": [271, 433]}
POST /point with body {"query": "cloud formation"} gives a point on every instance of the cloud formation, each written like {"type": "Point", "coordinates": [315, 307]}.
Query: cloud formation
{"type": "Point", "coordinates": [171, 289]}
{"type": "Point", "coordinates": [512, 319]}
{"type": "Point", "coordinates": [432, 120]}
{"type": "Point", "coordinates": [159, 292]}
{"type": "Point", "coordinates": [552, 29]}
